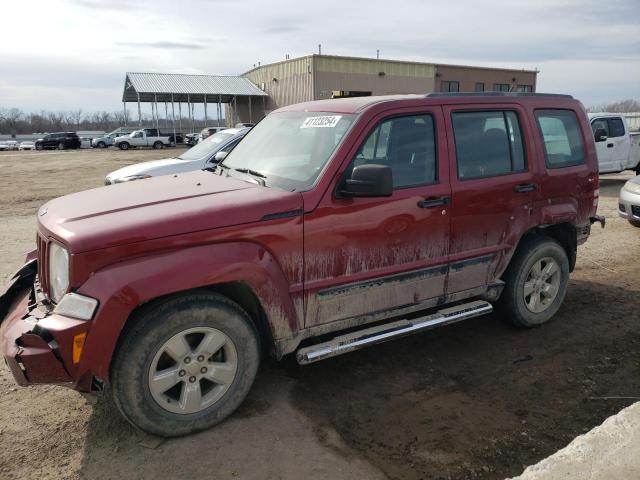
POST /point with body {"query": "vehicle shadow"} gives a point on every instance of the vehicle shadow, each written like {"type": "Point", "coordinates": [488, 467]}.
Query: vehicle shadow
{"type": "Point", "coordinates": [611, 184]}
{"type": "Point", "coordinates": [479, 399]}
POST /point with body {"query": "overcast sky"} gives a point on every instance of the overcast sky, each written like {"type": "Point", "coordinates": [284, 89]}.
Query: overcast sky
{"type": "Point", "coordinates": [70, 54]}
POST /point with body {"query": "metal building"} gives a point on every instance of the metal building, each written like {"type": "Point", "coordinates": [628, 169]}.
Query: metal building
{"type": "Point", "coordinates": [175, 90]}
{"type": "Point", "coordinates": [317, 77]}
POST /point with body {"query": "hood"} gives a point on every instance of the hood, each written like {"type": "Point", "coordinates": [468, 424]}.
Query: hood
{"type": "Point", "coordinates": [158, 207]}
{"type": "Point", "coordinates": [156, 168]}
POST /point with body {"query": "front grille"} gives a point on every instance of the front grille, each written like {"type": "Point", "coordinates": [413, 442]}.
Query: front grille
{"type": "Point", "coordinates": [43, 263]}
{"type": "Point", "coordinates": [622, 208]}
{"type": "Point", "coordinates": [635, 210]}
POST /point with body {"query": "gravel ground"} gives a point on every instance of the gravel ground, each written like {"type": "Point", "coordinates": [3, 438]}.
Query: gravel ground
{"type": "Point", "coordinates": [474, 400]}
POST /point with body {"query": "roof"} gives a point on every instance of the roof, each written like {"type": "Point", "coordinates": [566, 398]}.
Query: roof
{"type": "Point", "coordinates": [357, 104]}
{"type": "Point", "coordinates": [388, 60]}
{"type": "Point", "coordinates": [182, 88]}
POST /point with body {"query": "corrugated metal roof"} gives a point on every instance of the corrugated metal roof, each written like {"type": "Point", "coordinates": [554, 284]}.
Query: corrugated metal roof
{"type": "Point", "coordinates": [162, 85]}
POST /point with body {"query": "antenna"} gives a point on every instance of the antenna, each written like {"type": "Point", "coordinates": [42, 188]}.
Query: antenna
{"type": "Point", "coordinates": [378, 54]}
{"type": "Point", "coordinates": [319, 49]}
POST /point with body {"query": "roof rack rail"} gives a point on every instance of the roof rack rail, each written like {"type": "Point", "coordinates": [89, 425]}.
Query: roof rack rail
{"type": "Point", "coordinates": [495, 94]}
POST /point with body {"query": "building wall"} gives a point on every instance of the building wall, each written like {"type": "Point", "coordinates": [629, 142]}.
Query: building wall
{"type": "Point", "coordinates": [469, 76]}
{"type": "Point", "coordinates": [380, 77]}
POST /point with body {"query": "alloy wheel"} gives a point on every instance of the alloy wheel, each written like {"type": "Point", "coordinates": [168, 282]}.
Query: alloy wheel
{"type": "Point", "coordinates": [542, 285]}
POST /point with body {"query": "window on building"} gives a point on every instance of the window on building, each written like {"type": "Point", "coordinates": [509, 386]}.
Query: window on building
{"type": "Point", "coordinates": [561, 136]}
{"type": "Point", "coordinates": [488, 144]}
{"type": "Point", "coordinates": [449, 86]}
{"type": "Point", "coordinates": [407, 145]}
{"type": "Point", "coordinates": [525, 88]}
{"type": "Point", "coordinates": [479, 87]}
{"type": "Point", "coordinates": [501, 87]}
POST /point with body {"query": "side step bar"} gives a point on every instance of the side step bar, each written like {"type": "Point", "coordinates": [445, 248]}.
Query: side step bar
{"type": "Point", "coordinates": [389, 331]}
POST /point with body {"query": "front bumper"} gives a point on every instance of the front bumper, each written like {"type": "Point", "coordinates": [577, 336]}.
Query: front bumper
{"type": "Point", "coordinates": [35, 343]}
{"type": "Point", "coordinates": [629, 205]}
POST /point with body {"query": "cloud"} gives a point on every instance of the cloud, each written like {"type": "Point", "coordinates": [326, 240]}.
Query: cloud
{"type": "Point", "coordinates": [163, 45]}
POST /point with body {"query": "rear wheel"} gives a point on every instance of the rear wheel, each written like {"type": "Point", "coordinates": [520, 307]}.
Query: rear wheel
{"type": "Point", "coordinates": [535, 283]}
{"type": "Point", "coordinates": [61, 146]}
{"type": "Point", "coordinates": [185, 364]}
{"type": "Point", "coordinates": [158, 145]}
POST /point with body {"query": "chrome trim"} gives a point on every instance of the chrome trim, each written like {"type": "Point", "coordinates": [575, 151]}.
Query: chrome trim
{"type": "Point", "coordinates": [388, 331]}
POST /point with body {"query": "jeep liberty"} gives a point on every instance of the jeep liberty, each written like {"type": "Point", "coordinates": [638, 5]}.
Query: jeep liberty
{"type": "Point", "coordinates": [333, 225]}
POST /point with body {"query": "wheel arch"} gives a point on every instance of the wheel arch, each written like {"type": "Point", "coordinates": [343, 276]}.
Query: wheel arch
{"type": "Point", "coordinates": [564, 233]}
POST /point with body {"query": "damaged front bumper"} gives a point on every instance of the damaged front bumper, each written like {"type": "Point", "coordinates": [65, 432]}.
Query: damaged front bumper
{"type": "Point", "coordinates": [37, 344]}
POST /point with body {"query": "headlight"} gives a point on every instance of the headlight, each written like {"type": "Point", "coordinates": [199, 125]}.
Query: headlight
{"type": "Point", "coordinates": [58, 271]}
{"type": "Point", "coordinates": [130, 178]}
{"type": "Point", "coordinates": [632, 187]}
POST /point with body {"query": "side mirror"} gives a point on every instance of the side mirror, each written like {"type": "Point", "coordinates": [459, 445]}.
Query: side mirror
{"type": "Point", "coordinates": [369, 180]}
{"type": "Point", "coordinates": [600, 135]}
{"type": "Point", "coordinates": [220, 156]}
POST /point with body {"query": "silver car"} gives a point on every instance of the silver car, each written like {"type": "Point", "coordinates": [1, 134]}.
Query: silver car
{"type": "Point", "coordinates": [205, 154]}
{"type": "Point", "coordinates": [629, 201]}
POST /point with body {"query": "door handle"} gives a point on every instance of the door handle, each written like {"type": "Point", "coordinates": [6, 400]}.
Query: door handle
{"type": "Point", "coordinates": [525, 187]}
{"type": "Point", "coordinates": [433, 202]}
{"type": "Point", "coordinates": [609, 145]}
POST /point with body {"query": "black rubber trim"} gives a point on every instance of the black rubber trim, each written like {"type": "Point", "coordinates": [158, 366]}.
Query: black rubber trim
{"type": "Point", "coordinates": [457, 266]}
{"type": "Point", "coordinates": [275, 216]}
{"type": "Point", "coordinates": [398, 277]}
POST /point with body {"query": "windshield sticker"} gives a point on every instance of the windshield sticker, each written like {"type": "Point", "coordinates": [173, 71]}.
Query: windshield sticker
{"type": "Point", "coordinates": [326, 121]}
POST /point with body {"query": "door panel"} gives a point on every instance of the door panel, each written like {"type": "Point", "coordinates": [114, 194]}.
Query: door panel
{"type": "Point", "coordinates": [368, 255]}
{"type": "Point", "coordinates": [491, 199]}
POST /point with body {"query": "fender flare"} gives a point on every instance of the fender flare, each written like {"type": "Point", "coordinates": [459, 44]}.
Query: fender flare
{"type": "Point", "coordinates": [123, 287]}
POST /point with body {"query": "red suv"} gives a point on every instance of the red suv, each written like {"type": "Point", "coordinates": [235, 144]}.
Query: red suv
{"type": "Point", "coordinates": [377, 216]}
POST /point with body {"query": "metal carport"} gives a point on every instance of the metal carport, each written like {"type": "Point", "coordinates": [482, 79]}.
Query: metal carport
{"type": "Point", "coordinates": [170, 88]}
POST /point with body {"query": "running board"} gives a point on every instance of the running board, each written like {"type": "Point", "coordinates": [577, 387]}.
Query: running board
{"type": "Point", "coordinates": [389, 331]}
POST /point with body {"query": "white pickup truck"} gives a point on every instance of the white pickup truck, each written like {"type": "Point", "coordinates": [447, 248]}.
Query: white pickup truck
{"type": "Point", "coordinates": [620, 150]}
{"type": "Point", "coordinates": [146, 137]}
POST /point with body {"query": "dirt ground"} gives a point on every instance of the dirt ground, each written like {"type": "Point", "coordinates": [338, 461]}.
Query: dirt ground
{"type": "Point", "coordinates": [476, 400]}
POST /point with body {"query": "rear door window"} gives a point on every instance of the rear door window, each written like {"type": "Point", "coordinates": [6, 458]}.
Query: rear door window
{"type": "Point", "coordinates": [616, 127]}
{"type": "Point", "coordinates": [488, 143]}
{"type": "Point", "coordinates": [562, 140]}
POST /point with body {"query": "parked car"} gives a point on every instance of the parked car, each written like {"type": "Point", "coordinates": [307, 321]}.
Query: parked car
{"type": "Point", "coordinates": [12, 144]}
{"type": "Point", "coordinates": [27, 145]}
{"type": "Point", "coordinates": [618, 149]}
{"type": "Point", "coordinates": [85, 142]}
{"type": "Point", "coordinates": [61, 141]}
{"type": "Point", "coordinates": [146, 137]}
{"type": "Point", "coordinates": [204, 155]}
{"type": "Point", "coordinates": [629, 201]}
{"type": "Point", "coordinates": [191, 138]}
{"type": "Point", "coordinates": [380, 215]}
{"type": "Point", "coordinates": [108, 139]}
{"type": "Point", "coordinates": [4, 146]}
{"type": "Point", "coordinates": [208, 131]}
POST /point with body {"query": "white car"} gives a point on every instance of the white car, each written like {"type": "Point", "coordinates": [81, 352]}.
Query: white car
{"type": "Point", "coordinates": [13, 145]}
{"type": "Point", "coordinates": [27, 145]}
{"type": "Point", "coordinates": [629, 201]}
{"type": "Point", "coordinates": [4, 147]}
{"type": "Point", "coordinates": [205, 154]}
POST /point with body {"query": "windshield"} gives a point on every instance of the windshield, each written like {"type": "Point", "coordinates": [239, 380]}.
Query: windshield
{"type": "Point", "coordinates": [289, 149]}
{"type": "Point", "coordinates": [207, 147]}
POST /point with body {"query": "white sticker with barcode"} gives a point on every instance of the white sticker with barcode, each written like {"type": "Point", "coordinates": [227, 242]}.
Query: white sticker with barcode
{"type": "Point", "coordinates": [325, 121]}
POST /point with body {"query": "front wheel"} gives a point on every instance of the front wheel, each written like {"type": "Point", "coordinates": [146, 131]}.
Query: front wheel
{"type": "Point", "coordinates": [38, 146]}
{"type": "Point", "coordinates": [635, 223]}
{"type": "Point", "coordinates": [123, 146]}
{"type": "Point", "coordinates": [158, 145]}
{"type": "Point", "coordinates": [102, 145]}
{"type": "Point", "coordinates": [185, 364]}
{"type": "Point", "coordinates": [535, 283]}
{"type": "Point", "coordinates": [61, 146]}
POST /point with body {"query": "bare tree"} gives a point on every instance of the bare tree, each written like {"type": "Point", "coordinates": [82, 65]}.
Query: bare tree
{"type": "Point", "coordinates": [623, 106]}
{"type": "Point", "coordinates": [11, 117]}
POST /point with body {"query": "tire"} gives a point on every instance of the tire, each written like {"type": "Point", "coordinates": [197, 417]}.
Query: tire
{"type": "Point", "coordinates": [61, 146]}
{"type": "Point", "coordinates": [543, 253]}
{"type": "Point", "coordinates": [143, 351]}
{"type": "Point", "coordinates": [158, 145]}
{"type": "Point", "coordinates": [102, 145]}
{"type": "Point", "coordinates": [123, 145]}
{"type": "Point", "coordinates": [635, 223]}
{"type": "Point", "coordinates": [38, 146]}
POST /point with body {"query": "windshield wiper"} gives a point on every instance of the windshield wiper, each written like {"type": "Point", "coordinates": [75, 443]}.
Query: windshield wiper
{"type": "Point", "coordinates": [259, 176]}
{"type": "Point", "coordinates": [214, 168]}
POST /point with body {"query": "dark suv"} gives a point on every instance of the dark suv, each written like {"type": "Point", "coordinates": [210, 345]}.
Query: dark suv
{"type": "Point", "coordinates": [333, 225]}
{"type": "Point", "coordinates": [60, 141]}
